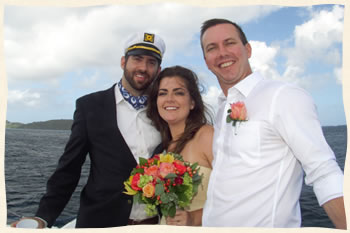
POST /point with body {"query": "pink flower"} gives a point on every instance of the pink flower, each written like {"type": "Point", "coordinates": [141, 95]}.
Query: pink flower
{"type": "Point", "coordinates": [165, 169]}
{"type": "Point", "coordinates": [238, 111]}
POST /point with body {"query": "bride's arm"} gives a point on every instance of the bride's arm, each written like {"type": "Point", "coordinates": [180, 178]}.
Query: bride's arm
{"type": "Point", "coordinates": [186, 218]}
{"type": "Point", "coordinates": [196, 217]}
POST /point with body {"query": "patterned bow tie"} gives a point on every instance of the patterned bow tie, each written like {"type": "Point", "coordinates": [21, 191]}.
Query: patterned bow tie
{"type": "Point", "coordinates": [137, 102]}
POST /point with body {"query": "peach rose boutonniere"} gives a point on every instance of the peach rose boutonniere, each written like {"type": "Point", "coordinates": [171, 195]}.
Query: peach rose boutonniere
{"type": "Point", "coordinates": [236, 114]}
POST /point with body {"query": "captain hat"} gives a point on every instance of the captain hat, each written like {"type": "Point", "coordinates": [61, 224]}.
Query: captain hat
{"type": "Point", "coordinates": [143, 43]}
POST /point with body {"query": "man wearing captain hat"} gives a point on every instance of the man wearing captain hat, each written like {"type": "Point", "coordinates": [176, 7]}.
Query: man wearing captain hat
{"type": "Point", "coordinates": [105, 126]}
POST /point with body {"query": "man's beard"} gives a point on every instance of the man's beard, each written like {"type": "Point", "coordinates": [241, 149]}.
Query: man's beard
{"type": "Point", "coordinates": [139, 87]}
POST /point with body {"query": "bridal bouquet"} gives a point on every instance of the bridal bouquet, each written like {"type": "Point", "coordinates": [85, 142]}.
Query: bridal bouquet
{"type": "Point", "coordinates": [164, 180]}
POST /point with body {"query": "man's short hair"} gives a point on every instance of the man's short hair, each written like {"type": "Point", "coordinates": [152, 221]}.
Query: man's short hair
{"type": "Point", "coordinates": [213, 22]}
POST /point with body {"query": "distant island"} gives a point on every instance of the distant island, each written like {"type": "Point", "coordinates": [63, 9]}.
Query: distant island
{"type": "Point", "coordinates": [66, 124]}
{"type": "Point", "coordinates": [62, 124]}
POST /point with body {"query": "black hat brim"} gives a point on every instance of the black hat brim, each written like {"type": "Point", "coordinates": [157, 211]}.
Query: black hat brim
{"type": "Point", "coordinates": [144, 52]}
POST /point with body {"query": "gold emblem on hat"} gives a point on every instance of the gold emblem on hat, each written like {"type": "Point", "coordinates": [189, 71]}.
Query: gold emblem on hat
{"type": "Point", "coordinates": [148, 38]}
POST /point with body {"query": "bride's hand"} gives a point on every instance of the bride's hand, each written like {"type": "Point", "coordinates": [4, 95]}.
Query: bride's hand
{"type": "Point", "coordinates": [181, 218]}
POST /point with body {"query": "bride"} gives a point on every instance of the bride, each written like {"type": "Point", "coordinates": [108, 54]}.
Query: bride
{"type": "Point", "coordinates": [177, 111]}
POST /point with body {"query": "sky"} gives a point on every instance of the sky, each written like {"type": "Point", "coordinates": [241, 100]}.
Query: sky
{"type": "Point", "coordinates": [54, 55]}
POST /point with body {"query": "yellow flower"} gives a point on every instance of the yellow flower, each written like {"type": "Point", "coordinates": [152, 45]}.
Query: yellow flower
{"type": "Point", "coordinates": [129, 190]}
{"type": "Point", "coordinates": [168, 158]}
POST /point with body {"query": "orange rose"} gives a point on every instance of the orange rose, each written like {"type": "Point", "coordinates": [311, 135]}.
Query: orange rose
{"type": "Point", "coordinates": [238, 111]}
{"type": "Point", "coordinates": [149, 190]}
{"type": "Point", "coordinates": [165, 169]}
{"type": "Point", "coordinates": [152, 171]}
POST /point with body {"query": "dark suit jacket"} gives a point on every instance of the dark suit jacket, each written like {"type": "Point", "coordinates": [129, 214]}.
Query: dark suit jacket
{"type": "Point", "coordinates": [94, 132]}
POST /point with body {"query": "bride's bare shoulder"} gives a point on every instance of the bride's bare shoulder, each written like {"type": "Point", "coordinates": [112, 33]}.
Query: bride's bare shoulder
{"type": "Point", "coordinates": [206, 131]}
{"type": "Point", "coordinates": [204, 144]}
{"type": "Point", "coordinates": [205, 134]}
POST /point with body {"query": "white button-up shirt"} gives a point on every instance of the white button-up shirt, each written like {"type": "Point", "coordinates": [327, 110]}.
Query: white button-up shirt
{"type": "Point", "coordinates": [258, 167]}
{"type": "Point", "coordinates": [140, 136]}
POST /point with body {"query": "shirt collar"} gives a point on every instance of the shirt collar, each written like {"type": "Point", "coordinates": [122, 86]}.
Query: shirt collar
{"type": "Point", "coordinates": [246, 85]}
{"type": "Point", "coordinates": [118, 96]}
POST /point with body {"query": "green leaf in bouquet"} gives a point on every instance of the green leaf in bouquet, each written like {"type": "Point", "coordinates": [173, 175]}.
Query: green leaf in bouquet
{"type": "Point", "coordinates": [168, 209]}
{"type": "Point", "coordinates": [172, 197]}
{"type": "Point", "coordinates": [137, 170]}
{"type": "Point", "coordinates": [173, 189]}
{"type": "Point", "coordinates": [172, 211]}
{"type": "Point", "coordinates": [137, 198]}
{"type": "Point", "coordinates": [164, 198]}
{"type": "Point", "coordinates": [195, 189]}
{"type": "Point", "coordinates": [147, 200]}
{"type": "Point", "coordinates": [178, 156]}
{"type": "Point", "coordinates": [183, 204]}
{"type": "Point", "coordinates": [194, 166]}
{"type": "Point", "coordinates": [164, 210]}
{"type": "Point", "coordinates": [184, 200]}
{"type": "Point", "coordinates": [170, 176]}
{"type": "Point", "coordinates": [142, 161]}
{"type": "Point", "coordinates": [159, 189]}
{"type": "Point", "coordinates": [181, 188]}
{"type": "Point", "coordinates": [197, 178]}
{"type": "Point", "coordinates": [183, 197]}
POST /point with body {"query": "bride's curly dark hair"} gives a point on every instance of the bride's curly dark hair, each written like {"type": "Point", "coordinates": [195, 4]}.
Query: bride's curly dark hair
{"type": "Point", "coordinates": [197, 116]}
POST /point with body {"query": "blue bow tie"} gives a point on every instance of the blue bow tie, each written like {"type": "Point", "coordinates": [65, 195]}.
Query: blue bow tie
{"type": "Point", "coordinates": [137, 102]}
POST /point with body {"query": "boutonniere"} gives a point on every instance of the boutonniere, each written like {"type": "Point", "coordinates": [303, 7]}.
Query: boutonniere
{"type": "Point", "coordinates": [237, 113]}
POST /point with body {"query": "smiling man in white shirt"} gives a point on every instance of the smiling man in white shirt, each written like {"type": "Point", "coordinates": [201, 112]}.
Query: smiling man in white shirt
{"type": "Point", "coordinates": [258, 163]}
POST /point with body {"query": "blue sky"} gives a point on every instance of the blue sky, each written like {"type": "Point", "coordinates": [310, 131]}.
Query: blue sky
{"type": "Point", "coordinates": [55, 55]}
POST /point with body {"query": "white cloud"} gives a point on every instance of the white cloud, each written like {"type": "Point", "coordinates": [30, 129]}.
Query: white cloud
{"type": "Point", "coordinates": [89, 81]}
{"type": "Point", "coordinates": [44, 43]}
{"type": "Point", "coordinates": [23, 98]}
{"type": "Point", "coordinates": [211, 98]}
{"type": "Point", "coordinates": [324, 29]}
{"type": "Point", "coordinates": [264, 59]}
{"type": "Point", "coordinates": [315, 40]}
{"type": "Point", "coordinates": [338, 73]}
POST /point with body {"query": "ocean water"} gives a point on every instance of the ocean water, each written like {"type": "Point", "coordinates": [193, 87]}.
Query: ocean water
{"type": "Point", "coordinates": [32, 155]}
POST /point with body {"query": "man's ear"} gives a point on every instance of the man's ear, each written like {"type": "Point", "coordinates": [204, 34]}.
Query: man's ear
{"type": "Point", "coordinates": [249, 49]}
{"type": "Point", "coordinates": [122, 62]}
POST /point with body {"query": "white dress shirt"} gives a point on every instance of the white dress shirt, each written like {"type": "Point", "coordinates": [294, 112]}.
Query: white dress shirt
{"type": "Point", "coordinates": [140, 136]}
{"type": "Point", "coordinates": [258, 169]}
